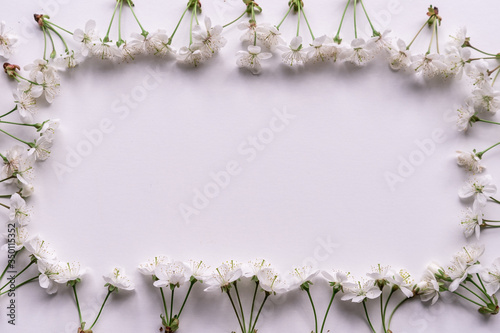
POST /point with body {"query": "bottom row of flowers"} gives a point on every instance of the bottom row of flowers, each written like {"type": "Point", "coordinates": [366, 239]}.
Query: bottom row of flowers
{"type": "Point", "coordinates": [464, 277]}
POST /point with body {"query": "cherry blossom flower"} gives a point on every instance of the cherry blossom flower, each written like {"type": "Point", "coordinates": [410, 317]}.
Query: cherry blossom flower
{"type": "Point", "coordinates": [223, 276]}
{"type": "Point", "coordinates": [322, 49]}
{"type": "Point", "coordinates": [464, 116]}
{"type": "Point", "coordinates": [69, 272]}
{"type": "Point", "coordinates": [301, 276]}
{"type": "Point", "coordinates": [172, 274]}
{"type": "Point", "coordinates": [471, 221]}
{"type": "Point", "coordinates": [478, 72]}
{"type": "Point", "coordinates": [69, 60]}
{"type": "Point", "coordinates": [335, 278]}
{"type": "Point", "coordinates": [269, 36]}
{"type": "Point", "coordinates": [7, 41]}
{"type": "Point", "coordinates": [251, 59]}
{"type": "Point", "coordinates": [360, 52]}
{"type": "Point", "coordinates": [19, 212]}
{"type": "Point", "coordinates": [480, 188]}
{"type": "Point", "coordinates": [17, 243]}
{"type": "Point", "coordinates": [403, 281]}
{"type": "Point", "coordinates": [48, 272]}
{"type": "Point", "coordinates": [486, 99]}
{"type": "Point", "coordinates": [198, 270]}
{"type": "Point", "coordinates": [382, 42]}
{"type": "Point", "coordinates": [358, 292]}
{"type": "Point", "coordinates": [87, 38]}
{"type": "Point", "coordinates": [191, 55]}
{"type": "Point", "coordinates": [41, 149]}
{"type": "Point", "coordinates": [118, 280]}
{"type": "Point", "coordinates": [428, 288]}
{"type": "Point", "coordinates": [270, 281]}
{"type": "Point", "coordinates": [459, 38]}
{"type": "Point", "coordinates": [491, 277]}
{"type": "Point", "coordinates": [40, 249]}
{"type": "Point", "coordinates": [105, 51]}
{"type": "Point", "coordinates": [148, 267]}
{"type": "Point", "coordinates": [430, 65]}
{"type": "Point", "coordinates": [400, 58]}
{"type": "Point", "coordinates": [457, 60]}
{"type": "Point", "coordinates": [249, 29]}
{"type": "Point", "coordinates": [470, 161]}
{"type": "Point", "coordinates": [294, 54]}
{"type": "Point", "coordinates": [253, 267]}
{"type": "Point", "coordinates": [210, 37]}
{"type": "Point", "coordinates": [26, 105]}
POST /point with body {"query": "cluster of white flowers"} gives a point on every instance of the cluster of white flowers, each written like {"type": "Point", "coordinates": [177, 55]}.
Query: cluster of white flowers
{"type": "Point", "coordinates": [7, 41]}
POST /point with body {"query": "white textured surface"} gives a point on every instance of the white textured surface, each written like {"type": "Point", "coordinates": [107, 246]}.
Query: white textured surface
{"type": "Point", "coordinates": [320, 181]}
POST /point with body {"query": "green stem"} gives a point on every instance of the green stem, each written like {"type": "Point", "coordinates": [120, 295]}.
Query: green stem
{"type": "Point", "coordinates": [53, 54]}
{"type": "Point", "coordinates": [58, 27]}
{"type": "Point", "coordinates": [488, 121]}
{"type": "Point", "coordinates": [20, 124]}
{"type": "Point", "coordinates": [164, 304]}
{"type": "Point", "coordinates": [239, 302]}
{"type": "Point", "coordinates": [11, 111]}
{"type": "Point", "coordinates": [473, 293]}
{"type": "Point", "coordinates": [382, 314]}
{"type": "Point", "coordinates": [185, 299]}
{"type": "Point", "coordinates": [478, 50]}
{"type": "Point", "coordinates": [495, 200]}
{"type": "Point", "coordinates": [298, 20]}
{"type": "Point", "coordinates": [66, 48]}
{"type": "Point", "coordinates": [236, 312]}
{"type": "Point", "coordinates": [490, 226]}
{"type": "Point", "coordinates": [1, 204]}
{"type": "Point", "coordinates": [432, 38]}
{"type": "Point", "coordinates": [5, 179]}
{"type": "Point", "coordinates": [418, 33]}
{"type": "Point", "coordinates": [21, 284]}
{"type": "Point", "coordinates": [314, 310]}
{"type": "Point", "coordinates": [144, 32]}
{"type": "Point", "coordinates": [375, 32]}
{"type": "Point", "coordinates": [106, 38]}
{"type": "Point", "coordinates": [172, 303]}
{"type": "Point", "coordinates": [337, 37]}
{"type": "Point", "coordinates": [78, 305]}
{"type": "Point", "coordinates": [480, 154]}
{"type": "Point", "coordinates": [120, 40]}
{"type": "Point", "coordinates": [490, 221]}
{"type": "Point", "coordinates": [100, 311]}
{"type": "Point", "coordinates": [437, 36]}
{"type": "Point", "coordinates": [12, 136]}
{"type": "Point", "coordinates": [258, 313]}
{"type": "Point", "coordinates": [307, 22]}
{"type": "Point", "coordinates": [177, 27]}
{"type": "Point", "coordinates": [364, 301]}
{"type": "Point", "coordinates": [482, 285]}
{"type": "Point", "coordinates": [355, 23]}
{"type": "Point", "coordinates": [284, 18]}
{"type": "Point", "coordinates": [495, 78]}
{"type": "Point", "coordinates": [387, 301]}
{"type": "Point", "coordinates": [394, 311]}
{"type": "Point", "coordinates": [44, 44]}
{"type": "Point", "coordinates": [253, 305]}
{"type": "Point", "coordinates": [456, 293]}
{"type": "Point", "coordinates": [191, 27]}
{"type": "Point", "coordinates": [18, 274]}
{"type": "Point", "coordinates": [239, 17]}
{"type": "Point", "coordinates": [328, 310]}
